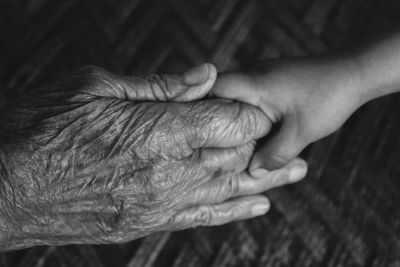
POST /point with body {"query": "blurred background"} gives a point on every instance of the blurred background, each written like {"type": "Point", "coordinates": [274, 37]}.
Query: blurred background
{"type": "Point", "coordinates": [346, 213]}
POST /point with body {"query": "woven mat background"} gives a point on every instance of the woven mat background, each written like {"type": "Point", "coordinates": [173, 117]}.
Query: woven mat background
{"type": "Point", "coordinates": [346, 213]}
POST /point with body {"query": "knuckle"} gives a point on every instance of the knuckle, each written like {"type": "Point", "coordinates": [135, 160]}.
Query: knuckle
{"type": "Point", "coordinates": [244, 154]}
{"type": "Point", "coordinates": [240, 119]}
{"type": "Point", "coordinates": [202, 216]}
{"type": "Point", "coordinates": [232, 214]}
{"type": "Point", "coordinates": [110, 220]}
{"type": "Point", "coordinates": [109, 224]}
{"type": "Point", "coordinates": [233, 185]}
{"type": "Point", "coordinates": [158, 186]}
{"type": "Point", "coordinates": [160, 86]}
{"type": "Point", "coordinates": [249, 123]}
{"type": "Point", "coordinates": [166, 126]}
{"type": "Point", "coordinates": [197, 120]}
{"type": "Point", "coordinates": [174, 222]}
{"type": "Point", "coordinates": [164, 132]}
{"type": "Point", "coordinates": [200, 114]}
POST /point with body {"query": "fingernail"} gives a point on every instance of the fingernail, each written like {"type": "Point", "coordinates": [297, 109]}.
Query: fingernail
{"type": "Point", "coordinates": [197, 75]}
{"type": "Point", "coordinates": [259, 173]}
{"type": "Point", "coordinates": [297, 173]}
{"type": "Point", "coordinates": [259, 209]}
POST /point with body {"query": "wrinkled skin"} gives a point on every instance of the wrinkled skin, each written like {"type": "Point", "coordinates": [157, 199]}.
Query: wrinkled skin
{"type": "Point", "coordinates": [101, 158]}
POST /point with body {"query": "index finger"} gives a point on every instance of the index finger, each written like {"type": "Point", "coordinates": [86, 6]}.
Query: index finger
{"type": "Point", "coordinates": [223, 123]}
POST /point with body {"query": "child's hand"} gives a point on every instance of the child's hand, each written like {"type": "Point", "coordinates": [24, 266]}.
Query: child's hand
{"type": "Point", "coordinates": [310, 98]}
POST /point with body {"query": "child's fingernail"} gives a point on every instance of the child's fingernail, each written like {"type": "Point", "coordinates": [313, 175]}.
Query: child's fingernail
{"type": "Point", "coordinates": [259, 173]}
{"type": "Point", "coordinates": [197, 75]}
{"type": "Point", "coordinates": [259, 209]}
{"type": "Point", "coordinates": [297, 172]}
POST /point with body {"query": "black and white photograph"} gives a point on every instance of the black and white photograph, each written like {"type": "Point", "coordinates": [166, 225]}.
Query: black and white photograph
{"type": "Point", "coordinates": [200, 133]}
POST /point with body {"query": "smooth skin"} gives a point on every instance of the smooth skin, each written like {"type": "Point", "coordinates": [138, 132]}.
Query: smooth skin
{"type": "Point", "coordinates": [100, 158]}
{"type": "Point", "coordinates": [309, 98]}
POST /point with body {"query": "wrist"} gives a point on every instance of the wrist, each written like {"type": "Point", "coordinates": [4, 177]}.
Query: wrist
{"type": "Point", "coordinates": [353, 84]}
{"type": "Point", "coordinates": [365, 88]}
{"type": "Point", "coordinates": [378, 68]}
{"type": "Point", "coordinates": [336, 78]}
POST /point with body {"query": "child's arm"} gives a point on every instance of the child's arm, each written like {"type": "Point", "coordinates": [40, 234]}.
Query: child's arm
{"type": "Point", "coordinates": [312, 97]}
{"type": "Point", "coordinates": [378, 66]}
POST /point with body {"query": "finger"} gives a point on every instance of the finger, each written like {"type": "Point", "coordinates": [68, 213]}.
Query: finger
{"type": "Point", "coordinates": [230, 186]}
{"type": "Point", "coordinates": [192, 85]}
{"type": "Point", "coordinates": [235, 86]}
{"type": "Point", "coordinates": [283, 147]}
{"type": "Point", "coordinates": [226, 161]}
{"type": "Point", "coordinates": [212, 163]}
{"type": "Point", "coordinates": [233, 210]}
{"type": "Point", "coordinates": [219, 123]}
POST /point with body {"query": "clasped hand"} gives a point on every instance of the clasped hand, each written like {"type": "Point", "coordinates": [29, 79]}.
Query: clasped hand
{"type": "Point", "coordinates": [101, 158]}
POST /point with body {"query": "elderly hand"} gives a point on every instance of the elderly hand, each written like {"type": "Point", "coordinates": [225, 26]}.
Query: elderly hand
{"type": "Point", "coordinates": [101, 158]}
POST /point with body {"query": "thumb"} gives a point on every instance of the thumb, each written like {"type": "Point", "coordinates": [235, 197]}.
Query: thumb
{"type": "Point", "coordinates": [279, 150]}
{"type": "Point", "coordinates": [236, 86]}
{"type": "Point", "coordinates": [192, 85]}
